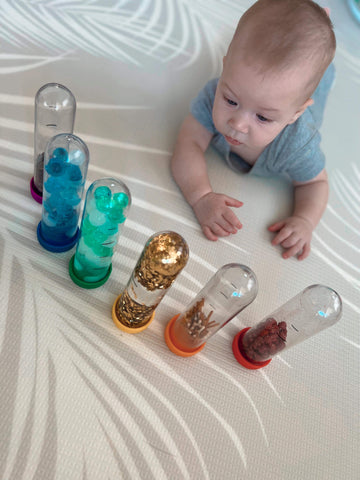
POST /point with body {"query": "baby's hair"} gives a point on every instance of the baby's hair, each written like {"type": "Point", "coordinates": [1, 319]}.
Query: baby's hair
{"type": "Point", "coordinates": [282, 34]}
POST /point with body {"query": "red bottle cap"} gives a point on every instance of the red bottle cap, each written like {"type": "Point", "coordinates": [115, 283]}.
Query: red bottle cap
{"type": "Point", "coordinates": [245, 362]}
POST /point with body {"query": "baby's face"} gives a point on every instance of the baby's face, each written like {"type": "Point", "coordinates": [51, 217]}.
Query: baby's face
{"type": "Point", "coordinates": [251, 109]}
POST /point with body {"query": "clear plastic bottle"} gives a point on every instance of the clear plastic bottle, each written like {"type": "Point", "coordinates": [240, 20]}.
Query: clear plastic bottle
{"type": "Point", "coordinates": [312, 310]}
{"type": "Point", "coordinates": [66, 164]}
{"type": "Point", "coordinates": [354, 6]}
{"type": "Point", "coordinates": [227, 293]}
{"type": "Point", "coordinates": [106, 207]}
{"type": "Point", "coordinates": [164, 256]}
{"type": "Point", "coordinates": [55, 109]}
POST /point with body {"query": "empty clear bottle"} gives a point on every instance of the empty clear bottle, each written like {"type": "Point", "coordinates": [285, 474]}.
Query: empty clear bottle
{"type": "Point", "coordinates": [227, 293]}
{"type": "Point", "coordinates": [55, 109]}
{"type": "Point", "coordinates": [312, 310]}
{"type": "Point", "coordinates": [164, 256]}
{"type": "Point", "coordinates": [106, 207]}
{"type": "Point", "coordinates": [65, 170]}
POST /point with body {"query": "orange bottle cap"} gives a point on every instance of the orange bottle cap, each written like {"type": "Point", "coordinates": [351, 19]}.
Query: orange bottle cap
{"type": "Point", "coordinates": [169, 339]}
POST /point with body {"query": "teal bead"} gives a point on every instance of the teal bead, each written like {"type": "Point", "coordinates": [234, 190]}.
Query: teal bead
{"type": "Point", "coordinates": [102, 192]}
{"type": "Point", "coordinates": [97, 218]}
{"type": "Point", "coordinates": [102, 197]}
{"type": "Point", "coordinates": [121, 200]}
{"type": "Point", "coordinates": [116, 215]}
{"type": "Point", "coordinates": [102, 251]}
{"type": "Point", "coordinates": [87, 227]}
{"type": "Point", "coordinates": [109, 227]}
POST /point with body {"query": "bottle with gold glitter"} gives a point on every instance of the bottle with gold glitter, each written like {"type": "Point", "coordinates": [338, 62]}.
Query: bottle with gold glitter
{"type": "Point", "coordinates": [227, 293]}
{"type": "Point", "coordinates": [164, 256]}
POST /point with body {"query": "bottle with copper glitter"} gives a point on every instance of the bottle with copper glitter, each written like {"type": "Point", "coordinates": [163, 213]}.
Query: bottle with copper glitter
{"type": "Point", "coordinates": [55, 108]}
{"type": "Point", "coordinates": [164, 256]}
{"type": "Point", "coordinates": [227, 293]}
{"type": "Point", "coordinates": [312, 310]}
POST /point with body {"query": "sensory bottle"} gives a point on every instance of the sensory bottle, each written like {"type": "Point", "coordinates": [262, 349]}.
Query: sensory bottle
{"type": "Point", "coordinates": [312, 310]}
{"type": "Point", "coordinates": [106, 207]}
{"type": "Point", "coordinates": [354, 6]}
{"type": "Point", "coordinates": [55, 108]}
{"type": "Point", "coordinates": [226, 294]}
{"type": "Point", "coordinates": [164, 256]}
{"type": "Point", "coordinates": [66, 164]}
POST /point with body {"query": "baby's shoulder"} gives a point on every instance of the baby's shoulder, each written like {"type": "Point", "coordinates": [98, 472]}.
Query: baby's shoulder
{"type": "Point", "coordinates": [296, 140]}
{"type": "Point", "coordinates": [209, 88]}
{"type": "Point", "coordinates": [299, 133]}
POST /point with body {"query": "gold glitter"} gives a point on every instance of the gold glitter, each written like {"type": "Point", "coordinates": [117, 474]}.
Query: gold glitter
{"type": "Point", "coordinates": [131, 313]}
{"type": "Point", "coordinates": [164, 256]}
{"type": "Point", "coordinates": [162, 259]}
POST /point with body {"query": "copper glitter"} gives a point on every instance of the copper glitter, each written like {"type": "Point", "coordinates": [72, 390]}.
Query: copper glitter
{"type": "Point", "coordinates": [196, 322]}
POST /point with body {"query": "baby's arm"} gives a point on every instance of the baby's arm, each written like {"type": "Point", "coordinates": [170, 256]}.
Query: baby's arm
{"type": "Point", "coordinates": [188, 166]}
{"type": "Point", "coordinates": [294, 233]}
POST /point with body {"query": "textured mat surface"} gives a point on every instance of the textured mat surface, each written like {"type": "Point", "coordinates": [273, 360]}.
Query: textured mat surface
{"type": "Point", "coordinates": [81, 399]}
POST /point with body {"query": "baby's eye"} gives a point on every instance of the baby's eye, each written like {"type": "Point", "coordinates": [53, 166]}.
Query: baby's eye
{"type": "Point", "coordinates": [262, 119]}
{"type": "Point", "coordinates": [231, 102]}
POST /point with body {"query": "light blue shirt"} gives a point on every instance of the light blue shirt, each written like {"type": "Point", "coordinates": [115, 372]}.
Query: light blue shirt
{"type": "Point", "coordinates": [295, 151]}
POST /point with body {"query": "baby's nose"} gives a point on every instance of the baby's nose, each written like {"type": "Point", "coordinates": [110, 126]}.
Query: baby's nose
{"type": "Point", "coordinates": [239, 122]}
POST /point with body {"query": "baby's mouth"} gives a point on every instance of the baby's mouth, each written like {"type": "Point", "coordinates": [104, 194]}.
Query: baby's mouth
{"type": "Point", "coordinates": [232, 141]}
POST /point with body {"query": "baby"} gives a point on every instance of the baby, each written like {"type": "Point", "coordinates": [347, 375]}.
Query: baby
{"type": "Point", "coordinates": [263, 116]}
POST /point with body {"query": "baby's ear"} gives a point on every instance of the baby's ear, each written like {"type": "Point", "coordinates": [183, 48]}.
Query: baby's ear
{"type": "Point", "coordinates": [302, 109]}
{"type": "Point", "coordinates": [327, 10]}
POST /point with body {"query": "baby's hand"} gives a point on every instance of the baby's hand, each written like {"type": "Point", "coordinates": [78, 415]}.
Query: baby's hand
{"type": "Point", "coordinates": [215, 217]}
{"type": "Point", "coordinates": [294, 234]}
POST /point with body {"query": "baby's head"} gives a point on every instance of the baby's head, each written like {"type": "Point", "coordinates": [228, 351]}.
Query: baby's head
{"type": "Point", "coordinates": [278, 54]}
{"type": "Point", "coordinates": [282, 35]}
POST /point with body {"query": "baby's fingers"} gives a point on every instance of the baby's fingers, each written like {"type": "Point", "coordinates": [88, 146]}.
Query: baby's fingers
{"type": "Point", "coordinates": [214, 231]}
{"type": "Point", "coordinates": [233, 202]}
{"type": "Point", "coordinates": [305, 252]}
{"type": "Point", "coordinates": [293, 250]}
{"type": "Point", "coordinates": [209, 234]}
{"type": "Point", "coordinates": [232, 220]}
{"type": "Point", "coordinates": [275, 227]}
{"type": "Point", "coordinates": [281, 236]}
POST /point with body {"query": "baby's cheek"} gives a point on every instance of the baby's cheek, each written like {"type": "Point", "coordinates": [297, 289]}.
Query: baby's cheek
{"type": "Point", "coordinates": [215, 116]}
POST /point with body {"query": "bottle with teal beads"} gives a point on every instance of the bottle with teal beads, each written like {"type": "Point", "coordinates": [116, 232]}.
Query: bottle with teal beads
{"type": "Point", "coordinates": [107, 204]}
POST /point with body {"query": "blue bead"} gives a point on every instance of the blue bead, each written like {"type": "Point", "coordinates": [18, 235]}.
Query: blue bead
{"type": "Point", "coordinates": [60, 154]}
{"type": "Point", "coordinates": [55, 167]}
{"type": "Point", "coordinates": [74, 174]}
{"type": "Point", "coordinates": [54, 184]}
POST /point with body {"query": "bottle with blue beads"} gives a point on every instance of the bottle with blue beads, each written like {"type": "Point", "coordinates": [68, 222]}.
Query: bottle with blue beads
{"type": "Point", "coordinates": [65, 170]}
{"type": "Point", "coordinates": [55, 108]}
{"type": "Point", "coordinates": [107, 204]}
